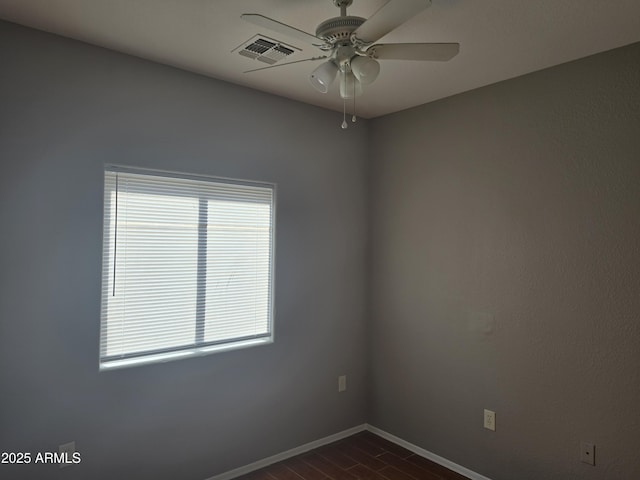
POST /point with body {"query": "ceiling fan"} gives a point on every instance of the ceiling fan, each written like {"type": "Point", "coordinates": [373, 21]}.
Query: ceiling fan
{"type": "Point", "coordinates": [348, 43]}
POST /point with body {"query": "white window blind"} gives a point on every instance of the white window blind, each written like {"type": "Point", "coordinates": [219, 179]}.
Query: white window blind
{"type": "Point", "coordinates": [187, 266]}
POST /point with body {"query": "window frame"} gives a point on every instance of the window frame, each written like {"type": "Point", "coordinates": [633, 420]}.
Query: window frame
{"type": "Point", "coordinates": [199, 346]}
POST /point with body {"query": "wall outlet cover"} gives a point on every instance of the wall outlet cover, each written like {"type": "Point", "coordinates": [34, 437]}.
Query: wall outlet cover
{"type": "Point", "coordinates": [490, 420]}
{"type": "Point", "coordinates": [68, 449]}
{"type": "Point", "coordinates": [588, 453]}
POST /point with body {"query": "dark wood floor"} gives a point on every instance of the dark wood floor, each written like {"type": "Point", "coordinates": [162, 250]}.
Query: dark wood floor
{"type": "Point", "coordinates": [362, 456]}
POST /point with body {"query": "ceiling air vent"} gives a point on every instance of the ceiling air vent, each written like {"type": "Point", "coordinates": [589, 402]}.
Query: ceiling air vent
{"type": "Point", "coordinates": [265, 49]}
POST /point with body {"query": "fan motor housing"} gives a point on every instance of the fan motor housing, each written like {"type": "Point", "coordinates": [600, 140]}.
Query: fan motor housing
{"type": "Point", "coordinates": [338, 29]}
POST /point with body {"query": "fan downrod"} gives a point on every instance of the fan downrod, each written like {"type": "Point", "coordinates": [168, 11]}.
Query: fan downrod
{"type": "Point", "coordinates": [340, 3]}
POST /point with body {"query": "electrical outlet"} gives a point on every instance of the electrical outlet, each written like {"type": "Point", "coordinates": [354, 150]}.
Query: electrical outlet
{"type": "Point", "coordinates": [588, 453]}
{"type": "Point", "coordinates": [490, 420]}
{"type": "Point", "coordinates": [67, 450]}
{"type": "Point", "coordinates": [342, 383]}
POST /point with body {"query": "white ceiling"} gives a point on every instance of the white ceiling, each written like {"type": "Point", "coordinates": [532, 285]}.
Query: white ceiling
{"type": "Point", "coordinates": [499, 39]}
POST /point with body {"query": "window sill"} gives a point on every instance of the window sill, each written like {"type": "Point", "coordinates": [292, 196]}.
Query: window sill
{"type": "Point", "coordinates": [196, 352]}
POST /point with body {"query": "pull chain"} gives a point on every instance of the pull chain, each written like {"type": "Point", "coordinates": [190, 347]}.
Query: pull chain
{"type": "Point", "coordinates": [353, 118]}
{"type": "Point", "coordinates": [115, 239]}
{"type": "Point", "coordinates": [344, 114]}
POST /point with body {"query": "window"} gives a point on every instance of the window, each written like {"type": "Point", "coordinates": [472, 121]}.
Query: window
{"type": "Point", "coordinates": [187, 266]}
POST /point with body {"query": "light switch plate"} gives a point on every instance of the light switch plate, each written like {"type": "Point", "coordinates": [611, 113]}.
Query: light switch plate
{"type": "Point", "coordinates": [342, 383]}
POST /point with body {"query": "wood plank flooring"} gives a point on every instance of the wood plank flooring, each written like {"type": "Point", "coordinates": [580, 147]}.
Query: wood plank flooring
{"type": "Point", "coordinates": [362, 456]}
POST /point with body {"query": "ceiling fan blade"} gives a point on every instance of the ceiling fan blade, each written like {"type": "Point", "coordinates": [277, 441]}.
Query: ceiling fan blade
{"type": "Point", "coordinates": [266, 22]}
{"type": "Point", "coordinates": [438, 52]}
{"type": "Point", "coordinates": [389, 16]}
{"type": "Point", "coordinates": [288, 63]}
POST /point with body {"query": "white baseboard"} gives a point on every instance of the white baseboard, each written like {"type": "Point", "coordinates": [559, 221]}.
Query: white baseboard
{"type": "Point", "coordinates": [339, 436]}
{"type": "Point", "coordinates": [288, 454]}
{"type": "Point", "coordinates": [427, 454]}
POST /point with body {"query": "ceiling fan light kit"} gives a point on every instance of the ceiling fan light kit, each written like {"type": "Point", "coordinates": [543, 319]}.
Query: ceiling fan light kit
{"type": "Point", "coordinates": [323, 76]}
{"type": "Point", "coordinates": [348, 43]}
{"type": "Point", "coordinates": [366, 69]}
{"type": "Point", "coordinates": [350, 87]}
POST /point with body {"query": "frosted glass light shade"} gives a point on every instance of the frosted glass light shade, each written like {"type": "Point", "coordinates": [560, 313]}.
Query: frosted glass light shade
{"type": "Point", "coordinates": [349, 85]}
{"type": "Point", "coordinates": [323, 76]}
{"type": "Point", "coordinates": [365, 69]}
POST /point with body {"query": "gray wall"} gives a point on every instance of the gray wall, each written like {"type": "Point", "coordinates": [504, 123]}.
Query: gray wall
{"type": "Point", "coordinates": [504, 269]}
{"type": "Point", "coordinates": [68, 108]}
{"type": "Point", "coordinates": [506, 272]}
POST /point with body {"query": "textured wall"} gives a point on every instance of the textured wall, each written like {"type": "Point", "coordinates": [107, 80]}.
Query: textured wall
{"type": "Point", "coordinates": [66, 109]}
{"type": "Point", "coordinates": [506, 272]}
